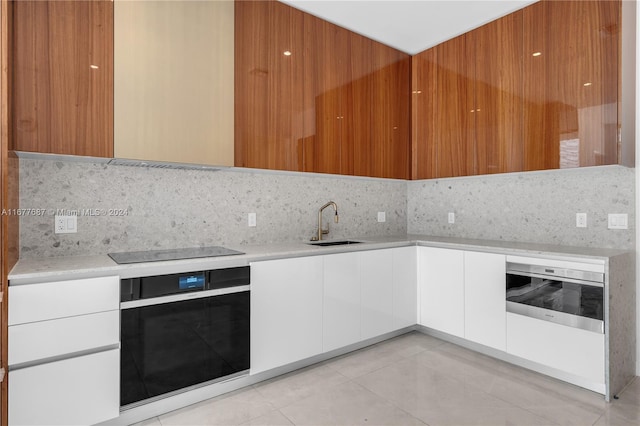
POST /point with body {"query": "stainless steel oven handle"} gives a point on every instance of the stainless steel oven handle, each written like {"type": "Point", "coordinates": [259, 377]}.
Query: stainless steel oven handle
{"type": "Point", "coordinates": [575, 321]}
{"type": "Point", "coordinates": [555, 278]}
{"type": "Point", "coordinates": [183, 296]}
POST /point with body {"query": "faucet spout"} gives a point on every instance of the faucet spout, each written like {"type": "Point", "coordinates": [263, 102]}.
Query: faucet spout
{"type": "Point", "coordinates": [335, 219]}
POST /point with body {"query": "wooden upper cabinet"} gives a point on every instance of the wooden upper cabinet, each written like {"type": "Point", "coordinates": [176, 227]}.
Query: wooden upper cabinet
{"type": "Point", "coordinates": [174, 81]}
{"type": "Point", "coordinates": [62, 88]}
{"type": "Point", "coordinates": [571, 57]}
{"type": "Point", "coordinates": [498, 95]}
{"type": "Point", "coordinates": [391, 103]}
{"type": "Point", "coordinates": [268, 90]}
{"type": "Point", "coordinates": [313, 109]}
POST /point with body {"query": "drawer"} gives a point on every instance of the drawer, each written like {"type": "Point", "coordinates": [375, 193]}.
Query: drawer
{"type": "Point", "coordinates": [60, 299]}
{"type": "Point", "coordinates": [44, 339]}
{"type": "Point", "coordinates": [78, 391]}
{"type": "Point", "coordinates": [572, 350]}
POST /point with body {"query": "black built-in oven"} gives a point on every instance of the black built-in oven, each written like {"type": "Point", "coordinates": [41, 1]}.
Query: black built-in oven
{"type": "Point", "coordinates": [571, 297]}
{"type": "Point", "coordinates": [181, 331]}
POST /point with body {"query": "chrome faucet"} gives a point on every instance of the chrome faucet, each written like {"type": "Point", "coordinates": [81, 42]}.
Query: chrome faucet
{"type": "Point", "coordinates": [335, 219]}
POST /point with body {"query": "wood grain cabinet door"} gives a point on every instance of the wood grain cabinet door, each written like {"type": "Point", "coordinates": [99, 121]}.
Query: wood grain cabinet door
{"type": "Point", "coordinates": [571, 57]}
{"type": "Point", "coordinates": [63, 77]}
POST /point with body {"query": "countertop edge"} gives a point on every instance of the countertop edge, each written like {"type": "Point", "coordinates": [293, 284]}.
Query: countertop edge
{"type": "Point", "coordinates": [31, 271]}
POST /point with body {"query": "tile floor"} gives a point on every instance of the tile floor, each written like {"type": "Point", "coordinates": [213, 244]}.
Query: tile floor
{"type": "Point", "coordinates": [413, 379]}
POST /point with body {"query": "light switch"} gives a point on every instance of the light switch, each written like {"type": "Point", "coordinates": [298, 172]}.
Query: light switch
{"type": "Point", "coordinates": [382, 216]}
{"type": "Point", "coordinates": [618, 221]}
{"type": "Point", "coordinates": [252, 220]}
{"type": "Point", "coordinates": [451, 218]}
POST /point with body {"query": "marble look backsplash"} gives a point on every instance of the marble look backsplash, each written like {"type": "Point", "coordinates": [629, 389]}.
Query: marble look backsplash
{"type": "Point", "coordinates": [537, 207]}
{"type": "Point", "coordinates": [183, 208]}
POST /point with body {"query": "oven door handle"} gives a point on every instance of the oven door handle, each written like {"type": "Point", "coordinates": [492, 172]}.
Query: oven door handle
{"type": "Point", "coordinates": [555, 278]}
{"type": "Point", "coordinates": [183, 296]}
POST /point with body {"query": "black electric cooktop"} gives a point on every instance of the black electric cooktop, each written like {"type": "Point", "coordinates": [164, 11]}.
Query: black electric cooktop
{"type": "Point", "coordinates": [171, 254]}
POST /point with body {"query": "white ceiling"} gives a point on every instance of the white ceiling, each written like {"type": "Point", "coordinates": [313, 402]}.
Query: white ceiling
{"type": "Point", "coordinates": [410, 26]}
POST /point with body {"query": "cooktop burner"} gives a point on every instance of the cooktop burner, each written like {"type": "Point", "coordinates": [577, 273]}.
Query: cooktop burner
{"type": "Point", "coordinates": [171, 254]}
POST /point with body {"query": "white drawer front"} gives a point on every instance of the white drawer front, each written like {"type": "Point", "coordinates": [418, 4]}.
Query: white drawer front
{"type": "Point", "coordinates": [77, 391]}
{"type": "Point", "coordinates": [39, 340]}
{"type": "Point", "coordinates": [45, 301]}
{"type": "Point", "coordinates": [572, 350]}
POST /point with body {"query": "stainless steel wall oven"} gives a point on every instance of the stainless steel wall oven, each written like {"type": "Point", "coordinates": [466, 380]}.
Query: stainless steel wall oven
{"type": "Point", "coordinates": [565, 296]}
{"type": "Point", "coordinates": [181, 331]}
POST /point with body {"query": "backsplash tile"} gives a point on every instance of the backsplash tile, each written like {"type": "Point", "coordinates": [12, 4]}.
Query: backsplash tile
{"type": "Point", "coordinates": [185, 208]}
{"type": "Point", "coordinates": [537, 207]}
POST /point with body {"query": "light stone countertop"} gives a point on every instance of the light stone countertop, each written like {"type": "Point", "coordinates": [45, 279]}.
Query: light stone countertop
{"type": "Point", "coordinates": [30, 271]}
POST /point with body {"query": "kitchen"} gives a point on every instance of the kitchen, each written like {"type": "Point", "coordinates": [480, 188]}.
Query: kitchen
{"type": "Point", "coordinates": [159, 212]}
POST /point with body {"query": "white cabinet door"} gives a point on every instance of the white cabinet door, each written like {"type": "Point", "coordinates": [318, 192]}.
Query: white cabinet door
{"type": "Point", "coordinates": [484, 295]}
{"type": "Point", "coordinates": [575, 351]}
{"type": "Point", "coordinates": [286, 311]}
{"type": "Point", "coordinates": [341, 319]}
{"type": "Point", "coordinates": [76, 391]}
{"type": "Point", "coordinates": [441, 288]}
{"type": "Point", "coordinates": [405, 287]}
{"type": "Point", "coordinates": [376, 286]}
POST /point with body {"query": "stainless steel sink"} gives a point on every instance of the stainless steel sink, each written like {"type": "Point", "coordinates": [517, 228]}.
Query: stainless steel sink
{"type": "Point", "coordinates": [334, 243]}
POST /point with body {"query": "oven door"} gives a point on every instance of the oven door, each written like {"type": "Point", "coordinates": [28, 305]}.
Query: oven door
{"type": "Point", "coordinates": [174, 345]}
{"type": "Point", "coordinates": [566, 301]}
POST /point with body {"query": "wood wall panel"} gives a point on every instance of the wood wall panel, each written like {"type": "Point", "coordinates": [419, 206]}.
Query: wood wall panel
{"type": "Point", "coordinates": [498, 95]}
{"type": "Point", "coordinates": [61, 103]}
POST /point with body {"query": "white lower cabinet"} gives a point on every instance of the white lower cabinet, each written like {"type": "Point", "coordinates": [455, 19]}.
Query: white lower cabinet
{"type": "Point", "coordinates": [484, 299]}
{"type": "Point", "coordinates": [341, 307]}
{"type": "Point", "coordinates": [571, 350]}
{"type": "Point", "coordinates": [376, 284]}
{"type": "Point", "coordinates": [286, 311]}
{"type": "Point", "coordinates": [77, 391]}
{"type": "Point", "coordinates": [441, 289]}
{"type": "Point", "coordinates": [405, 287]}
{"type": "Point", "coordinates": [64, 352]}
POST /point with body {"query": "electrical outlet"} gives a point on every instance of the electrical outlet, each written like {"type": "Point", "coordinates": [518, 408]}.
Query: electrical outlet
{"type": "Point", "coordinates": [252, 220]}
{"type": "Point", "coordinates": [66, 224]}
{"type": "Point", "coordinates": [451, 218]}
{"type": "Point", "coordinates": [382, 216]}
{"type": "Point", "coordinates": [581, 220]}
{"type": "Point", "coordinates": [618, 221]}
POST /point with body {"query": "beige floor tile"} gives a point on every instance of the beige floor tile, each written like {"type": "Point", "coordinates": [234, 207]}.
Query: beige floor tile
{"type": "Point", "coordinates": [274, 418]}
{"type": "Point", "coordinates": [232, 409]}
{"type": "Point", "coordinates": [358, 363]}
{"type": "Point", "coordinates": [284, 390]}
{"type": "Point", "coordinates": [347, 404]}
{"type": "Point", "coordinates": [611, 419]}
{"type": "Point", "coordinates": [411, 344]}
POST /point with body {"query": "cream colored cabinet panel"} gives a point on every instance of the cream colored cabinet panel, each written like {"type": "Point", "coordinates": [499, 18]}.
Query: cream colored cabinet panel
{"type": "Point", "coordinates": [484, 295]}
{"type": "Point", "coordinates": [341, 319]}
{"type": "Point", "coordinates": [173, 81]}
{"type": "Point", "coordinates": [405, 287]}
{"type": "Point", "coordinates": [441, 287]}
{"type": "Point", "coordinates": [376, 286]}
{"type": "Point", "coordinates": [286, 311]}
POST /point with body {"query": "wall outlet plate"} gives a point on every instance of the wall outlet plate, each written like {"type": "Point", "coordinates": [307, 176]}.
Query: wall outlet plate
{"type": "Point", "coordinates": [581, 220]}
{"type": "Point", "coordinates": [451, 217]}
{"type": "Point", "coordinates": [252, 220]}
{"type": "Point", "coordinates": [65, 224]}
{"type": "Point", "coordinates": [382, 216]}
